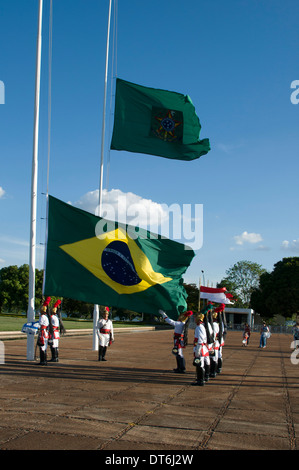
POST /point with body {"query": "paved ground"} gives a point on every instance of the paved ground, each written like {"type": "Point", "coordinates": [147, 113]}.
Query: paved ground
{"type": "Point", "coordinates": [135, 402]}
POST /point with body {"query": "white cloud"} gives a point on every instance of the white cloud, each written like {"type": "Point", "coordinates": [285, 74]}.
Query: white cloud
{"type": "Point", "coordinates": [2, 192]}
{"type": "Point", "coordinates": [181, 223]}
{"type": "Point", "coordinates": [290, 246]}
{"type": "Point", "coordinates": [125, 207]}
{"type": "Point", "coordinates": [246, 237]}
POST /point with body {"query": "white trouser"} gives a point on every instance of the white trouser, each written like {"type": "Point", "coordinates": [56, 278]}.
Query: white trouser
{"type": "Point", "coordinates": [180, 352]}
{"type": "Point", "coordinates": [44, 346]}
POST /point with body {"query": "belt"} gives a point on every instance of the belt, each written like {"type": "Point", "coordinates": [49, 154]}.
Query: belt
{"type": "Point", "coordinates": [103, 330]}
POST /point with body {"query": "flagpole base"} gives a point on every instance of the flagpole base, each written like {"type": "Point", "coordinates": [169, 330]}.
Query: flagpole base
{"type": "Point", "coordinates": [30, 347]}
{"type": "Point", "coordinates": [95, 339]}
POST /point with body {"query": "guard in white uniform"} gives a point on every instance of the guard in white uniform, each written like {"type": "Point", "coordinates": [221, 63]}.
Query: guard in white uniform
{"type": "Point", "coordinates": [178, 338]}
{"type": "Point", "coordinates": [105, 333]}
{"type": "Point", "coordinates": [201, 352]}
{"type": "Point", "coordinates": [54, 332]}
{"type": "Point", "coordinates": [43, 336]}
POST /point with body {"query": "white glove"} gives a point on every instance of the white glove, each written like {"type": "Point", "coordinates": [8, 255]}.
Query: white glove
{"type": "Point", "coordinates": [163, 314]}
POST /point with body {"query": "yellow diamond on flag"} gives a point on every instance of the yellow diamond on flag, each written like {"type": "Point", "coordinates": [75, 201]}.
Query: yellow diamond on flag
{"type": "Point", "coordinates": [116, 259]}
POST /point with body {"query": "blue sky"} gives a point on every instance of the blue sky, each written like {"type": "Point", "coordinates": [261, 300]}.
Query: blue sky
{"type": "Point", "coordinates": [236, 59]}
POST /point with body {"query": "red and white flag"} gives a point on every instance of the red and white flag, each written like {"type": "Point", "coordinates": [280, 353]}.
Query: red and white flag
{"type": "Point", "coordinates": [214, 294]}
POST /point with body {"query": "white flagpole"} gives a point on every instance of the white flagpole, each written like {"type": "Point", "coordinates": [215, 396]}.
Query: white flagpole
{"type": "Point", "coordinates": [96, 307]}
{"type": "Point", "coordinates": [31, 301]}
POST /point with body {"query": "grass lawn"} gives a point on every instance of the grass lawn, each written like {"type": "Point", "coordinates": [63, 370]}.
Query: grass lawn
{"type": "Point", "coordinates": [11, 323]}
{"type": "Point", "coordinates": [8, 323]}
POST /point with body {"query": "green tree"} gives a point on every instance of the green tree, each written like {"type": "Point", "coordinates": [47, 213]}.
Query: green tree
{"type": "Point", "coordinates": [193, 296]}
{"type": "Point", "coordinates": [14, 286]}
{"type": "Point", "coordinates": [241, 279]}
{"type": "Point", "coordinates": [278, 291]}
{"type": "Point", "coordinates": [231, 288]}
{"type": "Point", "coordinates": [77, 308]}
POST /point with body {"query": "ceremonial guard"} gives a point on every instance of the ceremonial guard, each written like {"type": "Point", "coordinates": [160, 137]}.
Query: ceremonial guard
{"type": "Point", "coordinates": [201, 352]}
{"type": "Point", "coordinates": [43, 335]}
{"type": "Point", "coordinates": [214, 357]}
{"type": "Point", "coordinates": [180, 330]}
{"type": "Point", "coordinates": [221, 335]}
{"type": "Point", "coordinates": [105, 333]}
{"type": "Point", "coordinates": [54, 333]}
{"type": "Point", "coordinates": [210, 341]}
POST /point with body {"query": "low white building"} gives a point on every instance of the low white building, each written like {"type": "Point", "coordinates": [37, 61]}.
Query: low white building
{"type": "Point", "coordinates": [239, 316]}
{"type": "Point", "coordinates": [234, 316]}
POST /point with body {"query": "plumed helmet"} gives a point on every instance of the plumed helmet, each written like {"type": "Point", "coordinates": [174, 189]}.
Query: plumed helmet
{"type": "Point", "coordinates": [189, 313]}
{"type": "Point", "coordinates": [199, 317]}
{"type": "Point", "coordinates": [184, 316]}
{"type": "Point", "coordinates": [45, 304]}
{"type": "Point", "coordinates": [220, 308]}
{"type": "Point", "coordinates": [56, 305]}
{"type": "Point", "coordinates": [104, 311]}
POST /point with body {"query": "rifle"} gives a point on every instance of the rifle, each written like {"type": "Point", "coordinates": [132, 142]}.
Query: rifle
{"type": "Point", "coordinates": [185, 331]}
{"type": "Point", "coordinates": [62, 329]}
{"type": "Point", "coordinates": [205, 310]}
{"type": "Point", "coordinates": [210, 321]}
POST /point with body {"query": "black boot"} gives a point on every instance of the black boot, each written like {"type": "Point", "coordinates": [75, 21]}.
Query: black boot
{"type": "Point", "coordinates": [104, 353]}
{"type": "Point", "coordinates": [43, 358]}
{"type": "Point", "coordinates": [207, 372]}
{"type": "Point", "coordinates": [219, 366]}
{"type": "Point", "coordinates": [100, 352]}
{"type": "Point", "coordinates": [55, 355]}
{"type": "Point", "coordinates": [181, 367]}
{"type": "Point", "coordinates": [199, 376]}
{"type": "Point", "coordinates": [213, 369]}
{"type": "Point", "coordinates": [54, 352]}
{"type": "Point", "coordinates": [177, 363]}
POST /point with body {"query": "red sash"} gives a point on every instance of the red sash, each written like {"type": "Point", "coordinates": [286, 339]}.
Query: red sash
{"type": "Point", "coordinates": [104, 331]}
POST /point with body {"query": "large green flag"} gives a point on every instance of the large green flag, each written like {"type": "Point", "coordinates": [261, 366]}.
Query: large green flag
{"type": "Point", "coordinates": [156, 122]}
{"type": "Point", "coordinates": [109, 263]}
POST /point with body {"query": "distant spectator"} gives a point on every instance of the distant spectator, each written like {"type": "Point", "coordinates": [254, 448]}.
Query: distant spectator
{"type": "Point", "coordinates": [246, 333]}
{"type": "Point", "coordinates": [265, 334]}
{"type": "Point", "coordinates": [295, 331]}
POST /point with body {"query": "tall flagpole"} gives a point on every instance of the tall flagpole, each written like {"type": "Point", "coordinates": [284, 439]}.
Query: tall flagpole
{"type": "Point", "coordinates": [31, 301]}
{"type": "Point", "coordinates": [96, 307]}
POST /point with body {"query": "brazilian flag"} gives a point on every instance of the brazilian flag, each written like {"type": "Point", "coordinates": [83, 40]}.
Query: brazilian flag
{"type": "Point", "coordinates": [156, 122]}
{"type": "Point", "coordinates": [108, 263]}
